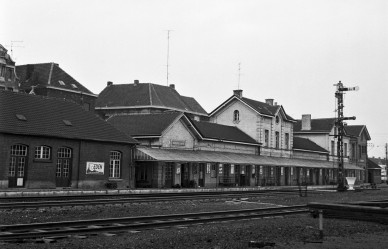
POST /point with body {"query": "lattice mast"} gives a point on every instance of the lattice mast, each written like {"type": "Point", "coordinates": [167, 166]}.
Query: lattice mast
{"type": "Point", "coordinates": [339, 94]}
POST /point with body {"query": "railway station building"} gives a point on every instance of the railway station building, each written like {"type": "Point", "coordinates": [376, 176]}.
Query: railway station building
{"type": "Point", "coordinates": [50, 143]}
{"type": "Point", "coordinates": [243, 142]}
{"type": "Point", "coordinates": [322, 132]}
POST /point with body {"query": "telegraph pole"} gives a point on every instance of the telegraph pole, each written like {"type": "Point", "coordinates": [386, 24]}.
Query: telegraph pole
{"type": "Point", "coordinates": [339, 94]}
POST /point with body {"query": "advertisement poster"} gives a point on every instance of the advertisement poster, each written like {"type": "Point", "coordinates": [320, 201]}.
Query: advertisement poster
{"type": "Point", "coordinates": [95, 168]}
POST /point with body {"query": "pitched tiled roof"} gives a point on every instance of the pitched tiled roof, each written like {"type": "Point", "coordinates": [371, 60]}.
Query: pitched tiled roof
{"type": "Point", "coordinates": [45, 117]}
{"type": "Point", "coordinates": [258, 106]}
{"type": "Point", "coordinates": [357, 130]}
{"type": "Point", "coordinates": [262, 107]}
{"type": "Point", "coordinates": [317, 125]}
{"type": "Point", "coordinates": [307, 144]}
{"type": "Point", "coordinates": [47, 74]}
{"type": "Point", "coordinates": [222, 132]}
{"type": "Point", "coordinates": [147, 94]}
{"type": "Point", "coordinates": [193, 104]}
{"type": "Point", "coordinates": [372, 165]}
{"type": "Point", "coordinates": [144, 124]}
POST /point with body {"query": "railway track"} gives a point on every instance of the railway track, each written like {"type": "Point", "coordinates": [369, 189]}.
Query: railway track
{"type": "Point", "coordinates": [79, 200]}
{"type": "Point", "coordinates": [64, 229]}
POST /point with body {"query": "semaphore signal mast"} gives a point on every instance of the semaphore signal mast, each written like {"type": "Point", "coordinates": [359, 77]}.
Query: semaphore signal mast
{"type": "Point", "coordinates": [339, 94]}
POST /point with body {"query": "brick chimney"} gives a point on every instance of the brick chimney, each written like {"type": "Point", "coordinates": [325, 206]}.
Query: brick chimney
{"type": "Point", "coordinates": [306, 122]}
{"type": "Point", "coordinates": [269, 101]}
{"type": "Point", "coordinates": [238, 93]}
{"type": "Point", "coordinates": [136, 82]}
{"type": "Point", "coordinates": [172, 86]}
{"type": "Point", "coordinates": [109, 83]}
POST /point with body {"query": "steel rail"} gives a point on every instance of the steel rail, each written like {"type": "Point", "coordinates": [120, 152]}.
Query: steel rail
{"type": "Point", "coordinates": [112, 201]}
{"type": "Point", "coordinates": [126, 195]}
{"type": "Point", "coordinates": [40, 230]}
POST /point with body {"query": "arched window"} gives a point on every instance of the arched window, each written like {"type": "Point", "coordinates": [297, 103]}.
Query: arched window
{"type": "Point", "coordinates": [63, 162]}
{"type": "Point", "coordinates": [42, 152]}
{"type": "Point", "coordinates": [114, 164]}
{"type": "Point", "coordinates": [236, 116]}
{"type": "Point", "coordinates": [17, 160]}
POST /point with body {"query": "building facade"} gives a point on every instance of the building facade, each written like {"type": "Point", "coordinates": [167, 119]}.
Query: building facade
{"type": "Point", "coordinates": [145, 98]}
{"type": "Point", "coordinates": [266, 122]}
{"type": "Point", "coordinates": [8, 79]}
{"type": "Point", "coordinates": [51, 143]}
{"type": "Point", "coordinates": [323, 132]}
{"type": "Point", "coordinates": [50, 80]}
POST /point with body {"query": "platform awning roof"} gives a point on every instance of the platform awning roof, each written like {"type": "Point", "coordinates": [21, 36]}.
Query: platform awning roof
{"type": "Point", "coordinates": [201, 156]}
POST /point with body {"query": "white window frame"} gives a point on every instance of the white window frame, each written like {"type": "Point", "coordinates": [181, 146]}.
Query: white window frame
{"type": "Point", "coordinates": [115, 164]}
{"type": "Point", "coordinates": [42, 152]}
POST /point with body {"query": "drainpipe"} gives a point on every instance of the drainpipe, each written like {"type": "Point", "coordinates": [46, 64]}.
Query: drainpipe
{"type": "Point", "coordinates": [79, 162]}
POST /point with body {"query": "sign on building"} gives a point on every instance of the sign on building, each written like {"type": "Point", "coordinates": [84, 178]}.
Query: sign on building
{"type": "Point", "coordinates": [95, 168]}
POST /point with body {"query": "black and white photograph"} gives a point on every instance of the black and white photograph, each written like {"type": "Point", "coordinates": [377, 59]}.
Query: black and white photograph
{"type": "Point", "coordinates": [193, 124]}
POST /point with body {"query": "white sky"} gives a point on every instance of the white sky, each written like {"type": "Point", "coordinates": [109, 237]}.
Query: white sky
{"type": "Point", "coordinates": [290, 50]}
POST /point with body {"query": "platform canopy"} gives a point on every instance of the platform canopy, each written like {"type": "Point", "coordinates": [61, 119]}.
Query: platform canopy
{"type": "Point", "coordinates": [201, 156]}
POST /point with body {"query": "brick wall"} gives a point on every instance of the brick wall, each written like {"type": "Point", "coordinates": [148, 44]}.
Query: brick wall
{"type": "Point", "coordinates": [41, 173]}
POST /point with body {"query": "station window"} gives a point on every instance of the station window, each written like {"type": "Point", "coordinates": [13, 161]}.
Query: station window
{"type": "Point", "coordinates": [114, 164]}
{"type": "Point", "coordinates": [266, 138]}
{"type": "Point", "coordinates": [18, 160]}
{"type": "Point", "coordinates": [236, 116]}
{"type": "Point", "coordinates": [277, 139]}
{"type": "Point", "coordinates": [42, 152]}
{"type": "Point", "coordinates": [287, 138]}
{"type": "Point", "coordinates": [63, 162]}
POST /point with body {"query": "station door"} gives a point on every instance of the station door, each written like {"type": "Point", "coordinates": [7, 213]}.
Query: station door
{"type": "Point", "coordinates": [168, 175]}
{"type": "Point", "coordinates": [185, 175]}
{"type": "Point", "coordinates": [63, 167]}
{"type": "Point", "coordinates": [17, 166]}
{"type": "Point", "coordinates": [201, 180]}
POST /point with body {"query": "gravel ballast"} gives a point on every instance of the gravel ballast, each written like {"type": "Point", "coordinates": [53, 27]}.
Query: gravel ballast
{"type": "Point", "coordinates": [294, 231]}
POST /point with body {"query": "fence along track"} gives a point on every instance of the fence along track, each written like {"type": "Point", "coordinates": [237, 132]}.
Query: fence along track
{"type": "Point", "coordinates": [66, 228]}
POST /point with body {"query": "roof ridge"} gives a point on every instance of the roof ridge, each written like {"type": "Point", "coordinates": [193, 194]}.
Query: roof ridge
{"type": "Point", "coordinates": [156, 94]}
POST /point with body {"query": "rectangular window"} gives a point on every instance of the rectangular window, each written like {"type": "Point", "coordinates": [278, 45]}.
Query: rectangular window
{"type": "Point", "coordinates": [332, 148]}
{"type": "Point", "coordinates": [266, 138]}
{"type": "Point", "coordinates": [59, 168]}
{"type": "Point", "coordinates": [114, 164]}
{"type": "Point", "coordinates": [42, 152]}
{"type": "Point", "coordinates": [277, 140]}
{"type": "Point", "coordinates": [208, 168]}
{"type": "Point", "coordinates": [345, 149]}
{"type": "Point", "coordinates": [21, 164]}
{"type": "Point", "coordinates": [287, 138]}
{"type": "Point", "coordinates": [12, 166]}
{"type": "Point", "coordinates": [242, 169]}
{"type": "Point", "coordinates": [213, 172]}
{"type": "Point", "coordinates": [66, 167]}
{"type": "Point", "coordinates": [86, 106]}
{"type": "Point", "coordinates": [353, 151]}
{"type": "Point", "coordinates": [292, 170]}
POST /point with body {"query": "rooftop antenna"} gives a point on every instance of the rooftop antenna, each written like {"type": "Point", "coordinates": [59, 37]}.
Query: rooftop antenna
{"type": "Point", "coordinates": [239, 75]}
{"type": "Point", "coordinates": [168, 51]}
{"type": "Point", "coordinates": [14, 46]}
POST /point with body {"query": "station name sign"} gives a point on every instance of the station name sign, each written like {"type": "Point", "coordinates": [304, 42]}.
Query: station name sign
{"type": "Point", "coordinates": [95, 168]}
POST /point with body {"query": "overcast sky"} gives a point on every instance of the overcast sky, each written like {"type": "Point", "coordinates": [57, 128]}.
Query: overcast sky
{"type": "Point", "coordinates": [290, 50]}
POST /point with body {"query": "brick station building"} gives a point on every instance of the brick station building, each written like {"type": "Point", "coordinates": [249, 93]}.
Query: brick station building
{"type": "Point", "coordinates": [51, 143]}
